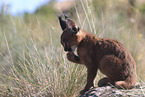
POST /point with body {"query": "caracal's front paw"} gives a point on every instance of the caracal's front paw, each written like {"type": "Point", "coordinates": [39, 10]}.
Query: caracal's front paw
{"type": "Point", "coordinates": [82, 92]}
{"type": "Point", "coordinates": [70, 56]}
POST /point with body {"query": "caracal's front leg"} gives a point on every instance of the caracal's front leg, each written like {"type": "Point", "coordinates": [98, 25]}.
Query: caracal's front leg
{"type": "Point", "coordinates": [73, 58]}
{"type": "Point", "coordinates": [91, 74]}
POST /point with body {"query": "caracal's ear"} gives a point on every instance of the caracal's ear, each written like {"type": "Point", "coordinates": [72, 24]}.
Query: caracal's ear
{"type": "Point", "coordinates": [62, 22]}
{"type": "Point", "coordinates": [71, 24]}
{"type": "Point", "coordinates": [66, 16]}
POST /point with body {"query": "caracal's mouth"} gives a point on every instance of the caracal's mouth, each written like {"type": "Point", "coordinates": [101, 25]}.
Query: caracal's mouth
{"type": "Point", "coordinates": [70, 52]}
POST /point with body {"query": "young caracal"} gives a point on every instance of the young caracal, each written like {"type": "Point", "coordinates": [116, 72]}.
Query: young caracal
{"type": "Point", "coordinates": [107, 55]}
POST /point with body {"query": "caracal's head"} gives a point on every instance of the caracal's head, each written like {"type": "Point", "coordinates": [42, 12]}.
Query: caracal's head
{"type": "Point", "coordinates": [69, 38]}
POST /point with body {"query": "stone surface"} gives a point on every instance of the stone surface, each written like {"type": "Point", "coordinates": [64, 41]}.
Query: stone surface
{"type": "Point", "coordinates": [109, 91]}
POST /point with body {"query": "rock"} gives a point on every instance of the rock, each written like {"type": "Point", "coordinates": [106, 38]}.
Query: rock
{"type": "Point", "coordinates": [109, 91]}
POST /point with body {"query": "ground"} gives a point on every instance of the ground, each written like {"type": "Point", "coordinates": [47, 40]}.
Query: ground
{"type": "Point", "coordinates": [110, 91]}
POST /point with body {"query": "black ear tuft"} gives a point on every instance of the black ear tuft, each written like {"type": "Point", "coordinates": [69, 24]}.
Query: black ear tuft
{"type": "Point", "coordinates": [62, 22]}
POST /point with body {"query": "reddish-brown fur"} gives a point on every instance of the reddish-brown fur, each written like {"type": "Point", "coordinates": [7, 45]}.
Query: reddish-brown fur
{"type": "Point", "coordinates": [107, 55]}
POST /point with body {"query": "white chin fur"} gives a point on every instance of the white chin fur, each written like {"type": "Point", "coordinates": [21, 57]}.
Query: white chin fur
{"type": "Point", "coordinates": [73, 48]}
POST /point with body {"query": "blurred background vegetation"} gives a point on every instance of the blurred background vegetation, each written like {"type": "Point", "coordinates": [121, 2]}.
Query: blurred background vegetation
{"type": "Point", "coordinates": [32, 60]}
